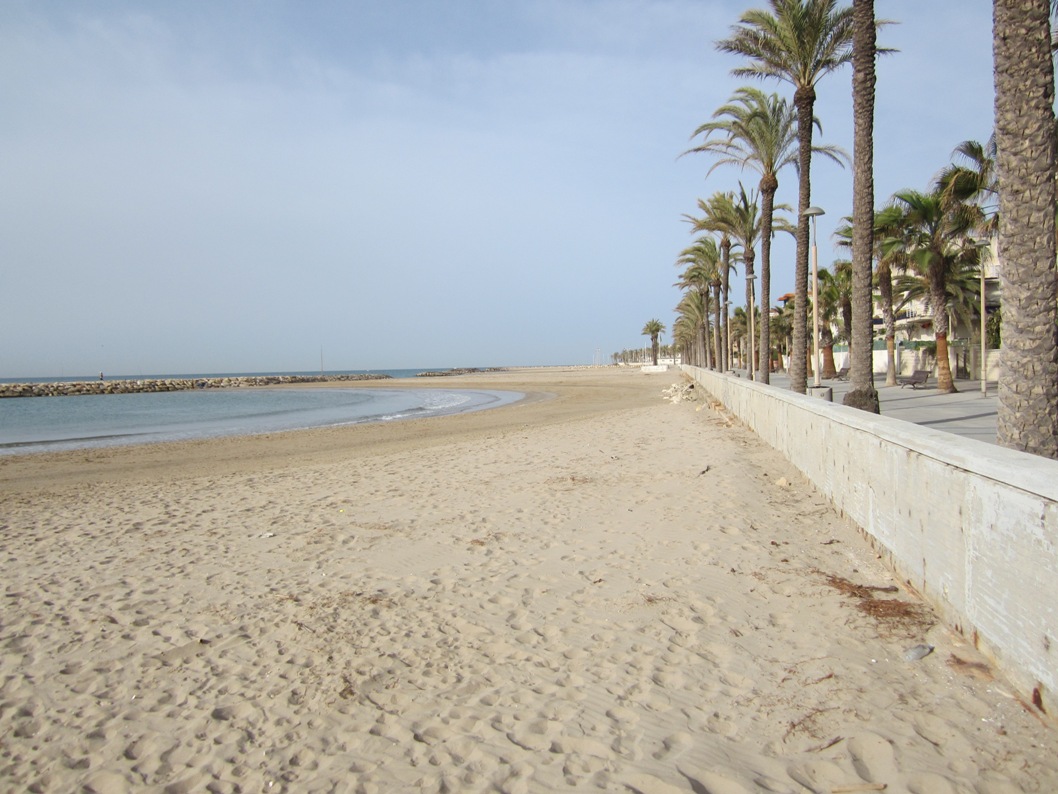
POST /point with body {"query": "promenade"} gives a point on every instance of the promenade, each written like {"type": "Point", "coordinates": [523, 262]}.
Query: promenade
{"type": "Point", "coordinates": [965, 413]}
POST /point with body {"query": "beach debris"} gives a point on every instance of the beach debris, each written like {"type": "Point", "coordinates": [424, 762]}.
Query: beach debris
{"type": "Point", "coordinates": [782, 482]}
{"type": "Point", "coordinates": [893, 615]}
{"type": "Point", "coordinates": [975, 669]}
{"type": "Point", "coordinates": [680, 392]}
{"type": "Point", "coordinates": [703, 471]}
{"type": "Point", "coordinates": [916, 652]}
{"type": "Point", "coordinates": [267, 535]}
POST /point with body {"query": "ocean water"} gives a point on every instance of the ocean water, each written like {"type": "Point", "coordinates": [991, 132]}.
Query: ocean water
{"type": "Point", "coordinates": [39, 424]}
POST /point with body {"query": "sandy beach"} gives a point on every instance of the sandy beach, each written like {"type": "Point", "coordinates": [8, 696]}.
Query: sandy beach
{"type": "Point", "coordinates": [596, 588]}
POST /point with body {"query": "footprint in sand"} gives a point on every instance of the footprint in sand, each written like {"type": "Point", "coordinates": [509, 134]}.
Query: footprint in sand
{"type": "Point", "coordinates": [674, 745]}
{"type": "Point", "coordinates": [819, 776]}
{"type": "Point", "coordinates": [873, 758]}
{"type": "Point", "coordinates": [712, 782]}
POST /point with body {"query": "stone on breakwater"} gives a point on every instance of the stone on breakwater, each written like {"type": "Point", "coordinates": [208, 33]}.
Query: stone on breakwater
{"type": "Point", "coordinates": [74, 388]}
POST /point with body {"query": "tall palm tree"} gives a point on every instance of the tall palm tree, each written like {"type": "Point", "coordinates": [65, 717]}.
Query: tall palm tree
{"type": "Point", "coordinates": [797, 41]}
{"type": "Point", "coordinates": [653, 329]}
{"type": "Point", "coordinates": [740, 217]}
{"type": "Point", "coordinates": [936, 241]}
{"type": "Point", "coordinates": [1025, 143]}
{"type": "Point", "coordinates": [702, 260]}
{"type": "Point", "coordinates": [760, 132]}
{"type": "Point", "coordinates": [862, 395]}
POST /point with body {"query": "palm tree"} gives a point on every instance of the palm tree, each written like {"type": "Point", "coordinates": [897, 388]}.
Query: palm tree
{"type": "Point", "coordinates": [653, 329]}
{"type": "Point", "coordinates": [782, 327]}
{"type": "Point", "coordinates": [739, 334]}
{"type": "Point", "coordinates": [739, 216]}
{"type": "Point", "coordinates": [973, 179]}
{"type": "Point", "coordinates": [862, 395]}
{"type": "Point", "coordinates": [703, 272]}
{"type": "Point", "coordinates": [962, 289]}
{"type": "Point", "coordinates": [936, 241]}
{"type": "Point", "coordinates": [798, 41]}
{"type": "Point", "coordinates": [833, 293]}
{"type": "Point", "coordinates": [761, 134]}
{"type": "Point", "coordinates": [692, 324]}
{"type": "Point", "coordinates": [715, 218]}
{"type": "Point", "coordinates": [1025, 143]}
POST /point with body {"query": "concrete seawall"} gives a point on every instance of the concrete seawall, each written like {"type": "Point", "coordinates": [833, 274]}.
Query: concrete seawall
{"type": "Point", "coordinates": [971, 526]}
{"type": "Point", "coordinates": [72, 388]}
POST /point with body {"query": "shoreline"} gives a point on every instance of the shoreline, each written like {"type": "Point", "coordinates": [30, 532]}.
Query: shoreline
{"type": "Point", "coordinates": [594, 588]}
{"type": "Point", "coordinates": [244, 452]}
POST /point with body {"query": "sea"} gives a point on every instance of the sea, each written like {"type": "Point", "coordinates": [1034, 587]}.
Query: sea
{"type": "Point", "coordinates": [49, 424]}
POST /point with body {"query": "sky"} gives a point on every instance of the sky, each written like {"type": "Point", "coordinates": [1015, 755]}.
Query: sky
{"type": "Point", "coordinates": [196, 187]}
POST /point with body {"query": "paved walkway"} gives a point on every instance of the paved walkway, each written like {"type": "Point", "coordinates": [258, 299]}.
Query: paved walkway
{"type": "Point", "coordinates": [966, 413]}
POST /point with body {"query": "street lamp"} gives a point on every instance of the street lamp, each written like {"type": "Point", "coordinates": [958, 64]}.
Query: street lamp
{"type": "Point", "coordinates": [813, 213]}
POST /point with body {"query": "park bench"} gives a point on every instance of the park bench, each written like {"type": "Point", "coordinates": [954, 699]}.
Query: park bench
{"type": "Point", "coordinates": [917, 378]}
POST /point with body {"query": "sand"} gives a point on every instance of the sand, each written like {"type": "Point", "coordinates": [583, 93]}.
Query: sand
{"type": "Point", "coordinates": [597, 589]}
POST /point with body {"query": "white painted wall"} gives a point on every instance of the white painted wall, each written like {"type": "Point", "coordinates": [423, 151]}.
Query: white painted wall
{"type": "Point", "coordinates": [971, 526]}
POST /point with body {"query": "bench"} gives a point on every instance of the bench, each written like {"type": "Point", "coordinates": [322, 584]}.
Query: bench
{"type": "Point", "coordinates": [918, 378]}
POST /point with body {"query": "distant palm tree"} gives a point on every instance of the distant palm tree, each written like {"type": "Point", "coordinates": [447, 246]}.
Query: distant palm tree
{"type": "Point", "coordinates": [740, 218]}
{"type": "Point", "coordinates": [782, 327]}
{"type": "Point", "coordinates": [888, 253]}
{"type": "Point", "coordinates": [702, 261]}
{"type": "Point", "coordinates": [962, 289]}
{"type": "Point", "coordinates": [973, 179]}
{"type": "Point", "coordinates": [760, 132]}
{"type": "Point", "coordinates": [797, 41]}
{"type": "Point", "coordinates": [654, 329]}
{"type": "Point", "coordinates": [692, 324]}
{"type": "Point", "coordinates": [1025, 142]}
{"type": "Point", "coordinates": [715, 218]}
{"type": "Point", "coordinates": [936, 240]}
{"type": "Point", "coordinates": [830, 298]}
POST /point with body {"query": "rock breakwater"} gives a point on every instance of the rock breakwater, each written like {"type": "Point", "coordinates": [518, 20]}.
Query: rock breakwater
{"type": "Point", "coordinates": [72, 388]}
{"type": "Point", "coordinates": [462, 371]}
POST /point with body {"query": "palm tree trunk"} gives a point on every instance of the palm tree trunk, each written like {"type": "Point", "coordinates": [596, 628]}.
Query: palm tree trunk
{"type": "Point", "coordinates": [747, 261]}
{"type": "Point", "coordinates": [768, 185]}
{"type": "Point", "coordinates": [829, 368]}
{"type": "Point", "coordinates": [885, 288]}
{"type": "Point", "coordinates": [725, 256]}
{"type": "Point", "coordinates": [1025, 138]}
{"type": "Point", "coordinates": [718, 355]}
{"type": "Point", "coordinates": [861, 339]}
{"type": "Point", "coordinates": [804, 101]}
{"type": "Point", "coordinates": [938, 301]}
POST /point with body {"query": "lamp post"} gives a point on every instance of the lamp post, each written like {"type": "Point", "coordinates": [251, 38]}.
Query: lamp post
{"type": "Point", "coordinates": [813, 213]}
